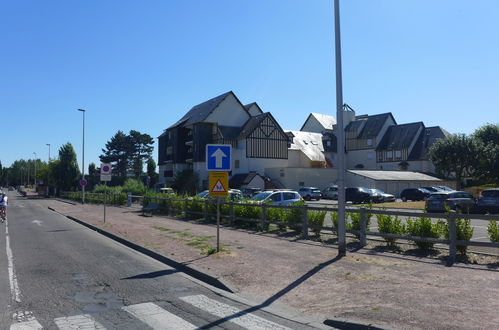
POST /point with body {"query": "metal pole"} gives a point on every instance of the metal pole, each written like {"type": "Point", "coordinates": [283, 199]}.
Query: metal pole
{"type": "Point", "coordinates": [105, 197]}
{"type": "Point", "coordinates": [218, 224]}
{"type": "Point", "coordinates": [48, 166]}
{"type": "Point", "coordinates": [83, 160]}
{"type": "Point", "coordinates": [342, 247]}
{"type": "Point", "coordinates": [35, 170]}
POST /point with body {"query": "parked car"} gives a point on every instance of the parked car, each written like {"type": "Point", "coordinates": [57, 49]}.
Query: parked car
{"type": "Point", "coordinates": [330, 192]}
{"type": "Point", "coordinates": [446, 188]}
{"type": "Point", "coordinates": [489, 201]}
{"type": "Point", "coordinates": [382, 197]}
{"type": "Point", "coordinates": [234, 194]}
{"type": "Point", "coordinates": [433, 188]}
{"type": "Point", "coordinates": [414, 194]}
{"type": "Point", "coordinates": [358, 195]}
{"type": "Point", "coordinates": [250, 192]}
{"type": "Point", "coordinates": [309, 193]}
{"type": "Point", "coordinates": [277, 197]}
{"type": "Point", "coordinates": [454, 200]}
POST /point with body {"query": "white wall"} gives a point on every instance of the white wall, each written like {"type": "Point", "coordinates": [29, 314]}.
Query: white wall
{"type": "Point", "coordinates": [416, 166]}
{"type": "Point", "coordinates": [291, 177]}
{"type": "Point", "coordinates": [229, 113]}
{"type": "Point", "coordinates": [354, 157]}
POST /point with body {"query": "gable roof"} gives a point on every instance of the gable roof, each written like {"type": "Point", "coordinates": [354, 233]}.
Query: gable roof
{"type": "Point", "coordinates": [248, 106]}
{"type": "Point", "coordinates": [426, 139]}
{"type": "Point", "coordinates": [326, 121]}
{"type": "Point", "coordinates": [309, 143]}
{"type": "Point", "coordinates": [400, 136]}
{"type": "Point", "coordinates": [394, 175]}
{"type": "Point", "coordinates": [253, 123]}
{"type": "Point", "coordinates": [201, 111]}
{"type": "Point", "coordinates": [229, 132]}
{"type": "Point", "coordinates": [374, 124]}
{"type": "Point", "coordinates": [241, 179]}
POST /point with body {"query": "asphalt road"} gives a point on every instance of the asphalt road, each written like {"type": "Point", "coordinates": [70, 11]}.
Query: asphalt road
{"type": "Point", "coordinates": [55, 273]}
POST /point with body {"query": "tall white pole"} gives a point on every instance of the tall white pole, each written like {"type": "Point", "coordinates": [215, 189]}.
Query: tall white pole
{"type": "Point", "coordinates": [35, 169]}
{"type": "Point", "coordinates": [342, 246]}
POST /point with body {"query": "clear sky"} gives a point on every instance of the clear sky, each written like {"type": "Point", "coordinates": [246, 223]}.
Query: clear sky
{"type": "Point", "coordinates": [142, 64]}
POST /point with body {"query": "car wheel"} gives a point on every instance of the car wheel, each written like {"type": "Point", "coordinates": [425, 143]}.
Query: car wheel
{"type": "Point", "coordinates": [307, 198]}
{"type": "Point", "coordinates": [404, 199]}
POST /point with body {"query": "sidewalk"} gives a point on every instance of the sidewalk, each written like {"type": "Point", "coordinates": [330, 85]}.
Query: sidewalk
{"type": "Point", "coordinates": [369, 285]}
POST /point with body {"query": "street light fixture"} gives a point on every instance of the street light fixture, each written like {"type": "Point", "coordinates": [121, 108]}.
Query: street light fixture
{"type": "Point", "coordinates": [83, 159]}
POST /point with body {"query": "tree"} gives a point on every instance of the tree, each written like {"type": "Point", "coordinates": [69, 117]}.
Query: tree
{"type": "Point", "coordinates": [185, 182]}
{"type": "Point", "coordinates": [67, 170]}
{"type": "Point", "coordinates": [118, 152]}
{"type": "Point", "coordinates": [151, 171]}
{"type": "Point", "coordinates": [455, 156]}
{"type": "Point", "coordinates": [488, 139]}
{"type": "Point", "coordinates": [128, 152]}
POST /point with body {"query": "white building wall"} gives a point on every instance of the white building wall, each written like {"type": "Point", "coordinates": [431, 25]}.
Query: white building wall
{"type": "Point", "coordinates": [294, 178]}
{"type": "Point", "coordinates": [416, 166]}
{"type": "Point", "coordinates": [229, 113]}
{"type": "Point", "coordinates": [354, 157]}
{"type": "Point", "coordinates": [294, 158]}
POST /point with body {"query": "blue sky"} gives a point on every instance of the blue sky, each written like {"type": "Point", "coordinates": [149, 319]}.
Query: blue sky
{"type": "Point", "coordinates": [142, 64]}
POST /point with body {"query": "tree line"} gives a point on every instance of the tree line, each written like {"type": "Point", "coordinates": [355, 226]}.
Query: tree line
{"type": "Point", "coordinates": [127, 153]}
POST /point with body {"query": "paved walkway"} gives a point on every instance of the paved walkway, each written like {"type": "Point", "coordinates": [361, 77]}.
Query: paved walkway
{"type": "Point", "coordinates": [368, 285]}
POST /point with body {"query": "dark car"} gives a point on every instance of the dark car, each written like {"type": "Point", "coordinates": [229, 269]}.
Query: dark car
{"type": "Point", "coordinates": [433, 189]}
{"type": "Point", "coordinates": [414, 194]}
{"type": "Point", "coordinates": [358, 195]}
{"type": "Point", "coordinates": [451, 200]}
{"type": "Point", "coordinates": [489, 201]}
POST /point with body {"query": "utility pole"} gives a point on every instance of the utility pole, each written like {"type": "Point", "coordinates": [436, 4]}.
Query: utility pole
{"type": "Point", "coordinates": [342, 246]}
{"type": "Point", "coordinates": [34, 153]}
{"type": "Point", "coordinates": [83, 160]}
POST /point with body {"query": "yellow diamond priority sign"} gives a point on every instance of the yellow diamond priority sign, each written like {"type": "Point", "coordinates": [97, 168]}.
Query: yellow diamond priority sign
{"type": "Point", "coordinates": [219, 184]}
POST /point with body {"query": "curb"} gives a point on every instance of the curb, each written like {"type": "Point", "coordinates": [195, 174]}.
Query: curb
{"type": "Point", "coordinates": [201, 276]}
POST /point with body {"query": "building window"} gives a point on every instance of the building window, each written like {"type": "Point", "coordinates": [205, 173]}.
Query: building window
{"type": "Point", "coordinates": [370, 155]}
{"type": "Point", "coordinates": [369, 142]}
{"type": "Point", "coordinates": [328, 143]}
{"type": "Point", "coordinates": [236, 164]}
{"type": "Point", "coordinates": [389, 154]}
{"type": "Point", "coordinates": [398, 154]}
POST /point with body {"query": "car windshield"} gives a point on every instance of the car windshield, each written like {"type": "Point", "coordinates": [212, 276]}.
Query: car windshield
{"type": "Point", "coordinates": [378, 191]}
{"type": "Point", "coordinates": [261, 196]}
{"type": "Point", "coordinates": [490, 193]}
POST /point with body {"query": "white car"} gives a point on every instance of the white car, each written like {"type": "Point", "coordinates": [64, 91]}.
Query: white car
{"type": "Point", "coordinates": [279, 197]}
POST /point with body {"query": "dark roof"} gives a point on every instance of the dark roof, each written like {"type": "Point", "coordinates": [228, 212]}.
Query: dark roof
{"type": "Point", "coordinates": [248, 106]}
{"type": "Point", "coordinates": [201, 111]}
{"type": "Point", "coordinates": [426, 139]}
{"type": "Point", "coordinates": [229, 132]}
{"type": "Point", "coordinates": [251, 124]}
{"type": "Point", "coordinates": [374, 124]}
{"type": "Point", "coordinates": [354, 125]}
{"type": "Point", "coordinates": [239, 180]}
{"type": "Point", "coordinates": [400, 136]}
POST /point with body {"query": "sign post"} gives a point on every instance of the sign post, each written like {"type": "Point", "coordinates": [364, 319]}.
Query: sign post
{"type": "Point", "coordinates": [218, 163]}
{"type": "Point", "coordinates": [105, 175]}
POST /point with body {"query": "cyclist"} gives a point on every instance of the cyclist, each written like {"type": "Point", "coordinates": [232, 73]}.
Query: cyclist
{"type": "Point", "coordinates": [3, 206]}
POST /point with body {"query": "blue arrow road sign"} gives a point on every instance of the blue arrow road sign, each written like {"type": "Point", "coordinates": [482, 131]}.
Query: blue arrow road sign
{"type": "Point", "coordinates": [218, 157]}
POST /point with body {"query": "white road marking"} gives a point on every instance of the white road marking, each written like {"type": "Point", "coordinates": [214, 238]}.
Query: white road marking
{"type": "Point", "coordinates": [158, 318]}
{"type": "Point", "coordinates": [28, 325]}
{"type": "Point", "coordinates": [37, 222]}
{"type": "Point", "coordinates": [14, 287]}
{"type": "Point", "coordinates": [23, 316]}
{"type": "Point", "coordinates": [78, 322]}
{"type": "Point", "coordinates": [248, 321]}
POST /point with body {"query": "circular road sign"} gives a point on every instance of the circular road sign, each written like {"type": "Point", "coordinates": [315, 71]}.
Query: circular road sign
{"type": "Point", "coordinates": [83, 182]}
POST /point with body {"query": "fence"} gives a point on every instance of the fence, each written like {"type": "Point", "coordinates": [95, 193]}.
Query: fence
{"type": "Point", "coordinates": [301, 218]}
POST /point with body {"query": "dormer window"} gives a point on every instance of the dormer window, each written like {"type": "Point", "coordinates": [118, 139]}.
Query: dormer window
{"type": "Point", "coordinates": [398, 154]}
{"type": "Point", "coordinates": [389, 154]}
{"type": "Point", "coordinates": [369, 142]}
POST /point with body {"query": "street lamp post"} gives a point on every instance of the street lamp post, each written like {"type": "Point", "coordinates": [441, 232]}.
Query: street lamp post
{"type": "Point", "coordinates": [48, 165]}
{"type": "Point", "coordinates": [34, 153]}
{"type": "Point", "coordinates": [83, 159]}
{"type": "Point", "coordinates": [342, 247]}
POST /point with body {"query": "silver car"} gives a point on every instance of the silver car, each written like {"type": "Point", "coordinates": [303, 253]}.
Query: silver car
{"type": "Point", "coordinates": [279, 197]}
{"type": "Point", "coordinates": [330, 192]}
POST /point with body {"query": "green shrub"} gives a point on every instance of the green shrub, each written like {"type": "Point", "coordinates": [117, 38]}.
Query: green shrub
{"type": "Point", "coordinates": [423, 227]}
{"type": "Point", "coordinates": [355, 221]}
{"type": "Point", "coordinates": [390, 225]}
{"type": "Point", "coordinates": [334, 220]}
{"type": "Point", "coordinates": [248, 212]}
{"type": "Point", "coordinates": [493, 230]}
{"type": "Point", "coordinates": [278, 215]}
{"type": "Point", "coordinates": [316, 219]}
{"type": "Point", "coordinates": [134, 186]}
{"type": "Point", "coordinates": [294, 216]}
{"type": "Point", "coordinates": [195, 208]}
{"type": "Point", "coordinates": [464, 232]}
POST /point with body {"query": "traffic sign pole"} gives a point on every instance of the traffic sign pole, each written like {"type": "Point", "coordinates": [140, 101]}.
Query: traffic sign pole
{"type": "Point", "coordinates": [218, 224]}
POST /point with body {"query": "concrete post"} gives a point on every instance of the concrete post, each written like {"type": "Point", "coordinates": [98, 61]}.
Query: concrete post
{"type": "Point", "coordinates": [232, 215]}
{"type": "Point", "coordinates": [129, 199]}
{"type": "Point", "coordinates": [452, 237]}
{"type": "Point", "coordinates": [205, 210]}
{"type": "Point", "coordinates": [305, 221]}
{"type": "Point", "coordinates": [264, 215]}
